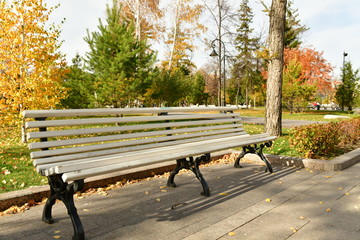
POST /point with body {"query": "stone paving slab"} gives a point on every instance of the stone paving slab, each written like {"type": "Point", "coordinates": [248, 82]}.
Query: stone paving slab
{"type": "Point", "coordinates": [298, 199]}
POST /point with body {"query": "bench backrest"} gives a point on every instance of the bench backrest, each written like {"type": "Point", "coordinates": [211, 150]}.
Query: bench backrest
{"type": "Point", "coordinates": [68, 135]}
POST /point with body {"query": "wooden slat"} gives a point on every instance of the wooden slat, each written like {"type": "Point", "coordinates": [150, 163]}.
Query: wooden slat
{"type": "Point", "coordinates": [77, 122]}
{"type": "Point", "coordinates": [90, 148]}
{"type": "Point", "coordinates": [43, 163]}
{"type": "Point", "coordinates": [116, 111]}
{"type": "Point", "coordinates": [86, 140]}
{"type": "Point", "coordinates": [80, 172]}
{"type": "Point", "coordinates": [86, 131]}
{"type": "Point", "coordinates": [187, 148]}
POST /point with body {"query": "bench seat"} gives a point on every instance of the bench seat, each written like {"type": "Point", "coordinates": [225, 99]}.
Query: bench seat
{"type": "Point", "coordinates": [69, 146]}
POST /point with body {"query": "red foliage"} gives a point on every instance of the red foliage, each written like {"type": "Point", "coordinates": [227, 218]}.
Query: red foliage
{"type": "Point", "coordinates": [315, 69]}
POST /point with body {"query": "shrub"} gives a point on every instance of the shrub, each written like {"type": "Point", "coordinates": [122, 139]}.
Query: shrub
{"type": "Point", "coordinates": [325, 140]}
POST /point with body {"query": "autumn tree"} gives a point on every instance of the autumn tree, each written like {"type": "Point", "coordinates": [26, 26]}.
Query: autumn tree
{"type": "Point", "coordinates": [275, 67]}
{"type": "Point", "coordinates": [32, 68]}
{"type": "Point", "coordinates": [315, 70]}
{"type": "Point", "coordinates": [146, 15]}
{"type": "Point", "coordinates": [181, 34]}
{"type": "Point", "coordinates": [296, 92]}
{"type": "Point", "coordinates": [222, 16]}
{"type": "Point", "coordinates": [120, 64]}
{"type": "Point", "coordinates": [348, 90]}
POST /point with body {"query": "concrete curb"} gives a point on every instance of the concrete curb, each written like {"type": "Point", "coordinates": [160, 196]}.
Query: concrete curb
{"type": "Point", "coordinates": [337, 164]}
{"type": "Point", "coordinates": [39, 192]}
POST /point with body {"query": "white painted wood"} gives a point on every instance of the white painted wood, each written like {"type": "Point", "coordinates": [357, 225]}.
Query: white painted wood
{"type": "Point", "coordinates": [86, 140]}
{"type": "Point", "coordinates": [94, 121]}
{"type": "Point", "coordinates": [117, 111]}
{"type": "Point", "coordinates": [114, 145]}
{"type": "Point", "coordinates": [153, 158]}
{"type": "Point", "coordinates": [53, 160]}
{"type": "Point", "coordinates": [86, 131]}
{"type": "Point", "coordinates": [164, 150]}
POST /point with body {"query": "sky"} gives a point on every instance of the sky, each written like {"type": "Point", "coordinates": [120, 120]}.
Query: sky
{"type": "Point", "coordinates": [334, 27]}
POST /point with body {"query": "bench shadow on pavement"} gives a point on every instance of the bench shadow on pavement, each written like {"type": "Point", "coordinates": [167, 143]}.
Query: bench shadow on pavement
{"type": "Point", "coordinates": [227, 184]}
{"type": "Point", "coordinates": [129, 205]}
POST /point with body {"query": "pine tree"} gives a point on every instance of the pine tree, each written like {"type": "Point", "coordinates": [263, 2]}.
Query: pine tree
{"type": "Point", "coordinates": [293, 27]}
{"type": "Point", "coordinates": [347, 90]}
{"type": "Point", "coordinates": [119, 62]}
{"type": "Point", "coordinates": [245, 64]}
{"type": "Point", "coordinates": [77, 81]}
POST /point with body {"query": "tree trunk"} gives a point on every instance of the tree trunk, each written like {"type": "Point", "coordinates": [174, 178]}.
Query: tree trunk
{"type": "Point", "coordinates": [275, 68]}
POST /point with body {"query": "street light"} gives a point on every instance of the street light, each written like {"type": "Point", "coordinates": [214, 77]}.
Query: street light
{"type": "Point", "coordinates": [215, 54]}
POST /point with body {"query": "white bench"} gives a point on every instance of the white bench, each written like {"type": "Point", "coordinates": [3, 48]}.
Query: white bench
{"type": "Point", "coordinates": [71, 145]}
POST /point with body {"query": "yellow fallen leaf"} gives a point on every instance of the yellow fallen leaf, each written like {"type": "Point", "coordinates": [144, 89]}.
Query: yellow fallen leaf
{"type": "Point", "coordinates": [268, 200]}
{"type": "Point", "coordinates": [231, 233]}
{"type": "Point", "coordinates": [146, 192]}
{"type": "Point", "coordinates": [311, 171]}
{"type": "Point", "coordinates": [328, 209]}
{"type": "Point", "coordinates": [301, 217]}
{"type": "Point", "coordinates": [223, 194]}
{"type": "Point", "coordinates": [86, 210]}
{"type": "Point", "coordinates": [347, 193]}
{"type": "Point", "coordinates": [321, 202]}
{"type": "Point", "coordinates": [164, 190]}
{"type": "Point", "coordinates": [158, 199]}
{"type": "Point", "coordinates": [58, 231]}
{"type": "Point", "coordinates": [328, 176]}
{"type": "Point", "coordinates": [293, 229]}
{"type": "Point", "coordinates": [340, 188]}
{"type": "Point", "coordinates": [162, 186]}
{"type": "Point", "coordinates": [57, 236]}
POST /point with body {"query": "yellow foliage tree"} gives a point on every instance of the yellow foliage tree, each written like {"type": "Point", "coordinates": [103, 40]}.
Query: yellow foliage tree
{"type": "Point", "coordinates": [184, 28]}
{"type": "Point", "coordinates": [31, 66]}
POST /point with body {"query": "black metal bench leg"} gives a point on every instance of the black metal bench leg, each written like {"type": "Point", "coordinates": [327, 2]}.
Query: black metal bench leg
{"type": "Point", "coordinates": [258, 150]}
{"type": "Point", "coordinates": [194, 167]}
{"type": "Point", "coordinates": [64, 192]}
{"type": "Point", "coordinates": [47, 216]}
{"type": "Point", "coordinates": [180, 164]}
{"type": "Point", "coordinates": [241, 155]}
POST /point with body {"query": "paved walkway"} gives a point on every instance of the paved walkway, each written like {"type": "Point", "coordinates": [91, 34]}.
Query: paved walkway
{"type": "Point", "coordinates": [285, 122]}
{"type": "Point", "coordinates": [246, 203]}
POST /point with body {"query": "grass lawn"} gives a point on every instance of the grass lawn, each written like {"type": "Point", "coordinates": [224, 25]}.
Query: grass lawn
{"type": "Point", "coordinates": [17, 171]}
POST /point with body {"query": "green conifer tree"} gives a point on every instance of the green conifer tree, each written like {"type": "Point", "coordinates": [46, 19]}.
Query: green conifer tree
{"type": "Point", "coordinates": [120, 64]}
{"type": "Point", "coordinates": [245, 65]}
{"type": "Point", "coordinates": [347, 91]}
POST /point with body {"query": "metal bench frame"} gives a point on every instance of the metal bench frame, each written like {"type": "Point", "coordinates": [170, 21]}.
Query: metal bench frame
{"type": "Point", "coordinates": [66, 169]}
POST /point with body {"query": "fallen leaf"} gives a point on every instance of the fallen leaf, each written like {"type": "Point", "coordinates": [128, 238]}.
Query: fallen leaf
{"type": "Point", "coordinates": [231, 234]}
{"type": "Point", "coordinates": [223, 194]}
{"type": "Point", "coordinates": [328, 209]}
{"type": "Point", "coordinates": [58, 231]}
{"type": "Point", "coordinates": [321, 202]}
{"type": "Point", "coordinates": [164, 190]}
{"type": "Point", "coordinates": [158, 199]}
{"type": "Point", "coordinates": [328, 176]}
{"type": "Point", "coordinates": [311, 171]}
{"type": "Point", "coordinates": [340, 188]}
{"type": "Point", "coordinates": [347, 193]}
{"type": "Point", "coordinates": [301, 217]}
{"type": "Point", "coordinates": [162, 186]}
{"type": "Point", "coordinates": [57, 236]}
{"type": "Point", "coordinates": [86, 210]}
{"type": "Point", "coordinates": [268, 200]}
{"type": "Point", "coordinates": [293, 229]}
{"type": "Point", "coordinates": [146, 192]}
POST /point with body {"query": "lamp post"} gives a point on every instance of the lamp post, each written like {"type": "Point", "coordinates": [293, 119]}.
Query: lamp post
{"type": "Point", "coordinates": [215, 54]}
{"type": "Point", "coordinates": [343, 68]}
